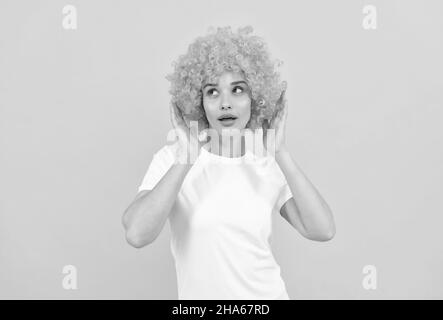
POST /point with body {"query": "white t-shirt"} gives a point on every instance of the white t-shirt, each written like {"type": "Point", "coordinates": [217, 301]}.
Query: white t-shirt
{"type": "Point", "coordinates": [221, 225]}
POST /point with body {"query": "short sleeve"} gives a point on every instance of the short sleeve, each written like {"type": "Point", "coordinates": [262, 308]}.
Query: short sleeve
{"type": "Point", "coordinates": [160, 164]}
{"type": "Point", "coordinates": [284, 195]}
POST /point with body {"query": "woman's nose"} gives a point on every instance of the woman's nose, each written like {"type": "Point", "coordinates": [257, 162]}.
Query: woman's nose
{"type": "Point", "coordinates": [225, 104]}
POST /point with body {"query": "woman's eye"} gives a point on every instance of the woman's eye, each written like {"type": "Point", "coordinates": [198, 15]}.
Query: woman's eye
{"type": "Point", "coordinates": [238, 87]}
{"type": "Point", "coordinates": [209, 92]}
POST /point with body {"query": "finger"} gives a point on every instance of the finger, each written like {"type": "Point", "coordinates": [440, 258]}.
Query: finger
{"type": "Point", "coordinates": [274, 122]}
{"type": "Point", "coordinates": [179, 115]}
{"type": "Point", "coordinates": [278, 115]}
{"type": "Point", "coordinates": [176, 112]}
{"type": "Point", "coordinates": [277, 123]}
{"type": "Point", "coordinates": [172, 115]}
{"type": "Point", "coordinates": [282, 95]}
{"type": "Point", "coordinates": [279, 118]}
{"type": "Point", "coordinates": [285, 113]}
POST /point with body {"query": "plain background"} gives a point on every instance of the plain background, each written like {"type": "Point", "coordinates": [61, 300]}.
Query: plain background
{"type": "Point", "coordinates": [83, 111]}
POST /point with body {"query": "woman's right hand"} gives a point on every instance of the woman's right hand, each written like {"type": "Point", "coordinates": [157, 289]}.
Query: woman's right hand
{"type": "Point", "coordinates": [190, 142]}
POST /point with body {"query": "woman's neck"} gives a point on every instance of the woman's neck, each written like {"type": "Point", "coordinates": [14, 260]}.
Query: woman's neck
{"type": "Point", "coordinates": [230, 146]}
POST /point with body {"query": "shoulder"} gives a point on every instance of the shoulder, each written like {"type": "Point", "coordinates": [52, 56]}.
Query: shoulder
{"type": "Point", "coordinates": [267, 167]}
{"type": "Point", "coordinates": [275, 170]}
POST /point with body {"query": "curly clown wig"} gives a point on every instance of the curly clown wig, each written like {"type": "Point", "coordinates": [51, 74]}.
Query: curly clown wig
{"type": "Point", "coordinates": [222, 50]}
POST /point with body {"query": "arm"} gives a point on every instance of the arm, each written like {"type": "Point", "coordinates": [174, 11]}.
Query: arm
{"type": "Point", "coordinates": [145, 217]}
{"type": "Point", "coordinates": [306, 211]}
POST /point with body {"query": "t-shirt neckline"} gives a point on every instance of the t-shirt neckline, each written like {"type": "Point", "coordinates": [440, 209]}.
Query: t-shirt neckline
{"type": "Point", "coordinates": [224, 159]}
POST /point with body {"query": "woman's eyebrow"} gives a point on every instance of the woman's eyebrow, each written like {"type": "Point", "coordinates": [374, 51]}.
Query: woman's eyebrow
{"type": "Point", "coordinates": [237, 82]}
{"type": "Point", "coordinates": [232, 83]}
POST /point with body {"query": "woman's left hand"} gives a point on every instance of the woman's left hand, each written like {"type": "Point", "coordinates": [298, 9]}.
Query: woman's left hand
{"type": "Point", "coordinates": [278, 123]}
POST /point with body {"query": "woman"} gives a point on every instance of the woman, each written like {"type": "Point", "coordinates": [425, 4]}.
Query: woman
{"type": "Point", "coordinates": [220, 207]}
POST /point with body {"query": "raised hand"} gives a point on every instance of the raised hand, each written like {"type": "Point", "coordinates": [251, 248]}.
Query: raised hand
{"type": "Point", "coordinates": [190, 141]}
{"type": "Point", "coordinates": [278, 124]}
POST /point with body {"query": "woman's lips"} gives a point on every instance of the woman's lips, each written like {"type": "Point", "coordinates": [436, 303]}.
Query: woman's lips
{"type": "Point", "coordinates": [227, 121]}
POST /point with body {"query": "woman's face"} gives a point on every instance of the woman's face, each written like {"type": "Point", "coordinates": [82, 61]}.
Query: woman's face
{"type": "Point", "coordinates": [229, 97]}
